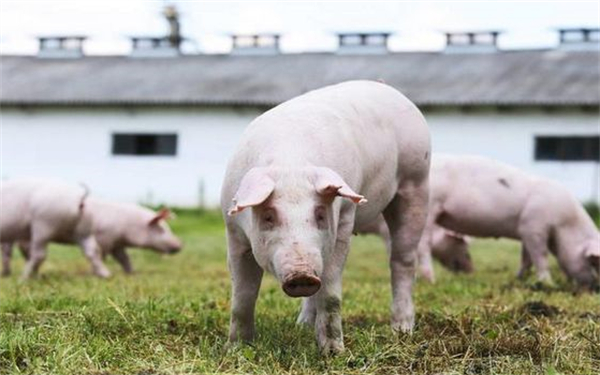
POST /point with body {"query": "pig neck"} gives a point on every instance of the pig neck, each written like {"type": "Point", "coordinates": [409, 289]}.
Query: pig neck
{"type": "Point", "coordinates": [574, 233]}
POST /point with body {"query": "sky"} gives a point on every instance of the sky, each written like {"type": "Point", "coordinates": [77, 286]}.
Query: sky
{"type": "Point", "coordinates": [305, 25]}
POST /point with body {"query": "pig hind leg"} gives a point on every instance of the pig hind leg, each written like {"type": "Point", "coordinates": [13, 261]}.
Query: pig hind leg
{"type": "Point", "coordinates": [24, 248]}
{"type": "Point", "coordinates": [308, 314]}
{"type": "Point", "coordinates": [92, 252]}
{"type": "Point", "coordinates": [246, 276]}
{"type": "Point", "coordinates": [37, 255]}
{"type": "Point", "coordinates": [6, 256]}
{"type": "Point", "coordinates": [406, 217]}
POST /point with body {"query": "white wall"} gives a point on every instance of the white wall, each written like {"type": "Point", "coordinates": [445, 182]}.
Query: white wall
{"type": "Point", "coordinates": [75, 144]}
{"type": "Point", "coordinates": [510, 137]}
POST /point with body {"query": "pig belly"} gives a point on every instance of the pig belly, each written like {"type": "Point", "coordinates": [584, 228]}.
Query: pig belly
{"type": "Point", "coordinates": [10, 232]}
{"type": "Point", "coordinates": [479, 224]}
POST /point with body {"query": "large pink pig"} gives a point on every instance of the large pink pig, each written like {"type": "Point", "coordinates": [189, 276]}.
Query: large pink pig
{"type": "Point", "coordinates": [485, 198]}
{"type": "Point", "coordinates": [295, 189]}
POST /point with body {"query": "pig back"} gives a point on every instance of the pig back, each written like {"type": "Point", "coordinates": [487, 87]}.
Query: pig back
{"type": "Point", "coordinates": [367, 132]}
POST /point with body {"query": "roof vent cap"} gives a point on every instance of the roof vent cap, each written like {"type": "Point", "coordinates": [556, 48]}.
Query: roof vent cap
{"type": "Point", "coordinates": [579, 39]}
{"type": "Point", "coordinates": [148, 46]}
{"type": "Point", "coordinates": [60, 47]}
{"type": "Point", "coordinates": [363, 43]}
{"type": "Point", "coordinates": [472, 41]}
{"type": "Point", "coordinates": [255, 44]}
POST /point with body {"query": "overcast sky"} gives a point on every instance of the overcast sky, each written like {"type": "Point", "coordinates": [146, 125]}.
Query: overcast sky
{"type": "Point", "coordinates": [306, 25]}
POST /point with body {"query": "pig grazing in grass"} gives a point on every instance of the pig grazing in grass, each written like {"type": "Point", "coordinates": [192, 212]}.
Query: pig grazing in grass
{"type": "Point", "coordinates": [117, 226]}
{"type": "Point", "coordinates": [449, 248]}
{"type": "Point", "coordinates": [295, 188]}
{"type": "Point", "coordinates": [104, 227]}
{"type": "Point", "coordinates": [485, 198]}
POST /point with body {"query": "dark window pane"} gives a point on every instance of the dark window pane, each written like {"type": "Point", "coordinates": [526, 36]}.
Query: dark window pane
{"type": "Point", "coordinates": [574, 148]}
{"type": "Point", "coordinates": [144, 144]}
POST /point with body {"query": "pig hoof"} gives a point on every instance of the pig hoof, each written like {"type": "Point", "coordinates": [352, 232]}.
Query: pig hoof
{"type": "Point", "coordinates": [103, 274]}
{"type": "Point", "coordinates": [545, 280]}
{"type": "Point", "coordinates": [428, 275]}
{"type": "Point", "coordinates": [403, 324]}
{"type": "Point", "coordinates": [331, 347]}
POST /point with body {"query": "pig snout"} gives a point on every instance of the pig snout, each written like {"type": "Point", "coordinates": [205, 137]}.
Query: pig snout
{"type": "Point", "coordinates": [301, 285]}
{"type": "Point", "coordinates": [173, 247]}
{"type": "Point", "coordinates": [298, 270]}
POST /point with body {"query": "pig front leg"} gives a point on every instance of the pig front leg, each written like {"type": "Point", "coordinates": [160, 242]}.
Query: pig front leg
{"type": "Point", "coordinates": [308, 314]}
{"type": "Point", "coordinates": [93, 253]}
{"type": "Point", "coordinates": [525, 263]}
{"type": "Point", "coordinates": [6, 256]}
{"type": "Point", "coordinates": [328, 300]}
{"type": "Point", "coordinates": [406, 216]}
{"type": "Point", "coordinates": [122, 257]}
{"type": "Point", "coordinates": [246, 276]}
{"type": "Point", "coordinates": [536, 245]}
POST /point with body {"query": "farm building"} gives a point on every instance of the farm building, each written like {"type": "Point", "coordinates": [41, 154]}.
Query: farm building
{"type": "Point", "coordinates": [157, 126]}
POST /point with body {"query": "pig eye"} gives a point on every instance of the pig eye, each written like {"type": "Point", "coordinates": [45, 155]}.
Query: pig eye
{"type": "Point", "coordinates": [321, 217]}
{"type": "Point", "coordinates": [268, 219]}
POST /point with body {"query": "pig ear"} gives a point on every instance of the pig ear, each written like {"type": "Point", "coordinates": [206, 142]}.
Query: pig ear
{"type": "Point", "coordinates": [255, 188]}
{"type": "Point", "coordinates": [330, 183]}
{"type": "Point", "coordinates": [457, 236]}
{"type": "Point", "coordinates": [163, 214]}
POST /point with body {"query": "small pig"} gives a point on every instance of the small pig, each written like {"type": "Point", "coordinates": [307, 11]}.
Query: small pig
{"type": "Point", "coordinates": [116, 226]}
{"type": "Point", "coordinates": [485, 198]}
{"type": "Point", "coordinates": [295, 188]}
{"type": "Point", "coordinates": [41, 211]}
{"type": "Point", "coordinates": [449, 248]}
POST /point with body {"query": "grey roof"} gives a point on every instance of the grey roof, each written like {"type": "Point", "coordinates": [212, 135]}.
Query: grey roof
{"type": "Point", "coordinates": [539, 77]}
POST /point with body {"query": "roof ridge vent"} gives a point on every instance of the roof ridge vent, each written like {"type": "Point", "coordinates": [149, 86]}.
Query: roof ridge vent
{"type": "Point", "coordinates": [579, 39]}
{"type": "Point", "coordinates": [153, 46]}
{"type": "Point", "coordinates": [255, 44]}
{"type": "Point", "coordinates": [472, 41]}
{"type": "Point", "coordinates": [363, 43]}
{"type": "Point", "coordinates": [61, 46]}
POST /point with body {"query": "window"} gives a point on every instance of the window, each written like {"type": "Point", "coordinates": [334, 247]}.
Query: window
{"type": "Point", "coordinates": [144, 144]}
{"type": "Point", "coordinates": [571, 148]}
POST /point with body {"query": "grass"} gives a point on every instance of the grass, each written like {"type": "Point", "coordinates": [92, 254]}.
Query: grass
{"type": "Point", "coordinates": [172, 317]}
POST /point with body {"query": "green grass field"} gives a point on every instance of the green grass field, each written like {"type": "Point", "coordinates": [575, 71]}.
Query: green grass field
{"type": "Point", "coordinates": [172, 316]}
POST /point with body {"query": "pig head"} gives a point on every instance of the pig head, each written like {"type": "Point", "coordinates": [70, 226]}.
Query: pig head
{"type": "Point", "coordinates": [452, 250]}
{"type": "Point", "coordinates": [293, 221]}
{"type": "Point", "coordinates": [151, 231]}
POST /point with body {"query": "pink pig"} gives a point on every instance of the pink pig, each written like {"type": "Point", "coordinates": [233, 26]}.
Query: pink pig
{"type": "Point", "coordinates": [481, 197]}
{"type": "Point", "coordinates": [295, 189]}
{"type": "Point", "coordinates": [36, 212]}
